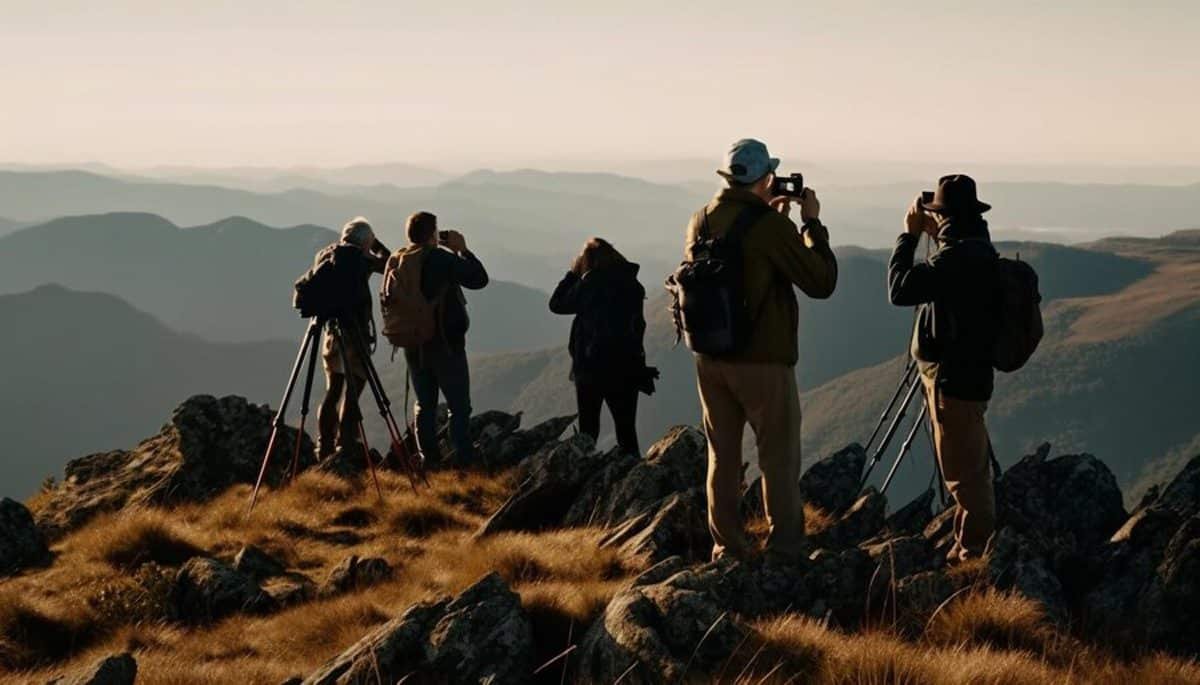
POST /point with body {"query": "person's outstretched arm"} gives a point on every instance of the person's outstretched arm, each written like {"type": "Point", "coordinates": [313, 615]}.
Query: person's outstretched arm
{"type": "Point", "coordinates": [467, 270]}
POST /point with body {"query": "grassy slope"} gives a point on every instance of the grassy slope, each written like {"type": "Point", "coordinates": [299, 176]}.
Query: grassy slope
{"type": "Point", "coordinates": [563, 579]}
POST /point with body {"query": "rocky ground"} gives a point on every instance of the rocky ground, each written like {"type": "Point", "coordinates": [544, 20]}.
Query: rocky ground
{"type": "Point", "coordinates": [1091, 577]}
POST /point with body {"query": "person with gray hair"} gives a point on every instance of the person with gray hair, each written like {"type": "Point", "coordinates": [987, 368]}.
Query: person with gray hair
{"type": "Point", "coordinates": [338, 415]}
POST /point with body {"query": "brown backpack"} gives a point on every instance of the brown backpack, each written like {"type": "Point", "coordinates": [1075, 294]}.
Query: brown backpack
{"type": "Point", "coordinates": [409, 318]}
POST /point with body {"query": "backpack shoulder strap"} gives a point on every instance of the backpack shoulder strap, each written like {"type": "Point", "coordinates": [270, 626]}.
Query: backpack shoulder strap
{"type": "Point", "coordinates": [744, 221]}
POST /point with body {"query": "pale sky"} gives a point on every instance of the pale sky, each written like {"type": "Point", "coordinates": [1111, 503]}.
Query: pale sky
{"type": "Point", "coordinates": [140, 83]}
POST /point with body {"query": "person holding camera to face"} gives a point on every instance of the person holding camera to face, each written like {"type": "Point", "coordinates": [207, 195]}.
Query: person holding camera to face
{"type": "Point", "coordinates": [754, 380]}
{"type": "Point", "coordinates": [425, 312]}
{"type": "Point", "coordinates": [953, 341]}
{"type": "Point", "coordinates": [338, 415]}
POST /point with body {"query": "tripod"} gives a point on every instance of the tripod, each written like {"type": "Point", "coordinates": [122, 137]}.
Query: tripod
{"type": "Point", "coordinates": [910, 385]}
{"type": "Point", "coordinates": [340, 327]}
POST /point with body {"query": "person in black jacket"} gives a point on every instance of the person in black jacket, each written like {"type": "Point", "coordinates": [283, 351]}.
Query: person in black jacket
{"type": "Point", "coordinates": [441, 364]}
{"type": "Point", "coordinates": [956, 289]}
{"type": "Point", "coordinates": [608, 360]}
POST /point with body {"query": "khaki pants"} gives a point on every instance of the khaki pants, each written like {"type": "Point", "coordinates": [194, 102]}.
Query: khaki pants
{"type": "Point", "coordinates": [961, 439]}
{"type": "Point", "coordinates": [338, 415]}
{"type": "Point", "coordinates": [765, 396]}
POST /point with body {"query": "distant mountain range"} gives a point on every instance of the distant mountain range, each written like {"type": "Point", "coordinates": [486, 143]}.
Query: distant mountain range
{"type": "Point", "coordinates": [227, 281]}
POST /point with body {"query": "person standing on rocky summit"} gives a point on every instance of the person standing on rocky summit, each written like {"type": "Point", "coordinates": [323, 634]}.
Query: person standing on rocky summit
{"type": "Point", "coordinates": [757, 383]}
{"type": "Point", "coordinates": [440, 365]}
{"type": "Point", "coordinates": [953, 341]}
{"type": "Point", "coordinates": [339, 414]}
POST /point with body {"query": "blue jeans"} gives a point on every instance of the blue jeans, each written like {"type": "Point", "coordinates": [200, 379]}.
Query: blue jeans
{"type": "Point", "coordinates": [444, 371]}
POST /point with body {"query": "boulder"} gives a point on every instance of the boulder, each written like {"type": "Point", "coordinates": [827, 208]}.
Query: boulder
{"type": "Point", "coordinates": [1070, 504]}
{"type": "Point", "coordinates": [290, 589]}
{"type": "Point", "coordinates": [676, 463]}
{"type": "Point", "coordinates": [613, 468]}
{"type": "Point", "coordinates": [483, 635]}
{"type": "Point", "coordinates": [917, 597]}
{"type": "Point", "coordinates": [22, 543]}
{"type": "Point", "coordinates": [254, 562]}
{"type": "Point", "coordinates": [206, 589]}
{"type": "Point", "coordinates": [206, 446]}
{"type": "Point", "coordinates": [354, 573]}
{"type": "Point", "coordinates": [832, 484]}
{"type": "Point", "coordinates": [902, 557]}
{"type": "Point", "coordinates": [912, 518]}
{"type": "Point", "coordinates": [1182, 494]}
{"type": "Point", "coordinates": [837, 583]}
{"type": "Point", "coordinates": [553, 478]}
{"type": "Point", "coordinates": [117, 669]}
{"type": "Point", "coordinates": [1018, 564]}
{"type": "Point", "coordinates": [862, 521]}
{"type": "Point", "coordinates": [676, 528]}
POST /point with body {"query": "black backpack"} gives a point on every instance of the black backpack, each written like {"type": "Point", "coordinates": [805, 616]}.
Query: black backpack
{"type": "Point", "coordinates": [709, 303]}
{"type": "Point", "coordinates": [1019, 315]}
{"type": "Point", "coordinates": [329, 288]}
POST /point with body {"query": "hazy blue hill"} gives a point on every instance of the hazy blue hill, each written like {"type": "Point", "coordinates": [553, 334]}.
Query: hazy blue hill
{"type": "Point", "coordinates": [86, 372]}
{"type": "Point", "coordinates": [8, 226]}
{"type": "Point", "coordinates": [230, 280]}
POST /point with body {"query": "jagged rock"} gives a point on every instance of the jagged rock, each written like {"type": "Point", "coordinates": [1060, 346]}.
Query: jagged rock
{"type": "Point", "coordinates": [554, 478]}
{"type": "Point", "coordinates": [585, 509]}
{"type": "Point", "coordinates": [912, 518]}
{"type": "Point", "coordinates": [290, 590]}
{"type": "Point", "coordinates": [118, 669]}
{"type": "Point", "coordinates": [254, 562]}
{"type": "Point", "coordinates": [1016, 563]}
{"type": "Point", "coordinates": [902, 557]}
{"type": "Point", "coordinates": [499, 442]}
{"type": "Point", "coordinates": [354, 573]}
{"type": "Point", "coordinates": [677, 527]}
{"type": "Point", "coordinates": [206, 446]}
{"type": "Point", "coordinates": [661, 571]}
{"type": "Point", "coordinates": [1182, 494]}
{"type": "Point", "coordinates": [676, 463]}
{"type": "Point", "coordinates": [206, 589]}
{"type": "Point", "coordinates": [832, 484]}
{"type": "Point", "coordinates": [481, 636]}
{"type": "Point", "coordinates": [655, 633]}
{"type": "Point", "coordinates": [862, 521]}
{"type": "Point", "coordinates": [837, 582]}
{"type": "Point", "coordinates": [1070, 504]}
{"type": "Point", "coordinates": [22, 543]}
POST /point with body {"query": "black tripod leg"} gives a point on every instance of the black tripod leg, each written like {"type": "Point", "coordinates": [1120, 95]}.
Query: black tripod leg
{"type": "Point", "coordinates": [305, 399]}
{"type": "Point", "coordinates": [904, 380]}
{"type": "Point", "coordinates": [305, 344]}
{"type": "Point", "coordinates": [908, 441]}
{"type": "Point", "coordinates": [891, 431]}
{"type": "Point", "coordinates": [352, 392]}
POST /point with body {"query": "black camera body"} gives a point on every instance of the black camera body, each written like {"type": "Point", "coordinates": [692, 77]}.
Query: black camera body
{"type": "Point", "coordinates": [791, 185]}
{"type": "Point", "coordinates": [443, 237]}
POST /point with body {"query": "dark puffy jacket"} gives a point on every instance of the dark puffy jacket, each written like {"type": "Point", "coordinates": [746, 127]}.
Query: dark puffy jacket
{"type": "Point", "coordinates": [607, 334]}
{"type": "Point", "coordinates": [957, 290]}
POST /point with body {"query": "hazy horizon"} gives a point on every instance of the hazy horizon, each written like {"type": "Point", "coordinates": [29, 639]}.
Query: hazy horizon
{"type": "Point", "coordinates": [138, 85]}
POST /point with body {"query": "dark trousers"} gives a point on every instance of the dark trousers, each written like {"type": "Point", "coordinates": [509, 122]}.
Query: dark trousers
{"type": "Point", "coordinates": [444, 371]}
{"type": "Point", "coordinates": [338, 415]}
{"type": "Point", "coordinates": [621, 398]}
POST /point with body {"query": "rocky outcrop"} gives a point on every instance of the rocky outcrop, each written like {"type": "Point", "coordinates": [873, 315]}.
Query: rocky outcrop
{"type": "Point", "coordinates": [22, 544]}
{"type": "Point", "coordinates": [482, 635]}
{"type": "Point", "coordinates": [549, 483]}
{"type": "Point", "coordinates": [1147, 589]}
{"type": "Point", "coordinates": [254, 562]}
{"type": "Point", "coordinates": [863, 520]}
{"type": "Point", "coordinates": [206, 446]}
{"type": "Point", "coordinates": [677, 527]}
{"type": "Point", "coordinates": [118, 669]}
{"type": "Point", "coordinates": [206, 589]}
{"type": "Point", "coordinates": [354, 573]}
{"type": "Point", "coordinates": [499, 440]}
{"type": "Point", "coordinates": [832, 484]}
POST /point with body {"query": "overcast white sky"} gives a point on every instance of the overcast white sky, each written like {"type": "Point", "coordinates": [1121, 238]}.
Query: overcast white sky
{"type": "Point", "coordinates": [135, 83]}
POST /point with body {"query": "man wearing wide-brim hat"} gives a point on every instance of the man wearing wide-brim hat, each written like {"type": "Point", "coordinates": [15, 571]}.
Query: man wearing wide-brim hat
{"type": "Point", "coordinates": [953, 338]}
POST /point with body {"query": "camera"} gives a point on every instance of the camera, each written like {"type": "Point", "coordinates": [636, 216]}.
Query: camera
{"type": "Point", "coordinates": [926, 197]}
{"type": "Point", "coordinates": [443, 237]}
{"type": "Point", "coordinates": [791, 185]}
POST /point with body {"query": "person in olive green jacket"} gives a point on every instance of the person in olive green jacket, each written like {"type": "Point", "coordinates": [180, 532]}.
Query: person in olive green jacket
{"type": "Point", "coordinates": [757, 384]}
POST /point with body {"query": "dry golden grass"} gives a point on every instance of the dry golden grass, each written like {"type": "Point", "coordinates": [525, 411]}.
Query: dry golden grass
{"type": "Point", "coordinates": [1174, 286]}
{"type": "Point", "coordinates": [100, 597]}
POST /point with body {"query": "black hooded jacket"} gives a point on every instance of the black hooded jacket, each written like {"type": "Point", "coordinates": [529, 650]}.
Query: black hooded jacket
{"type": "Point", "coordinates": [957, 292]}
{"type": "Point", "coordinates": [607, 334]}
